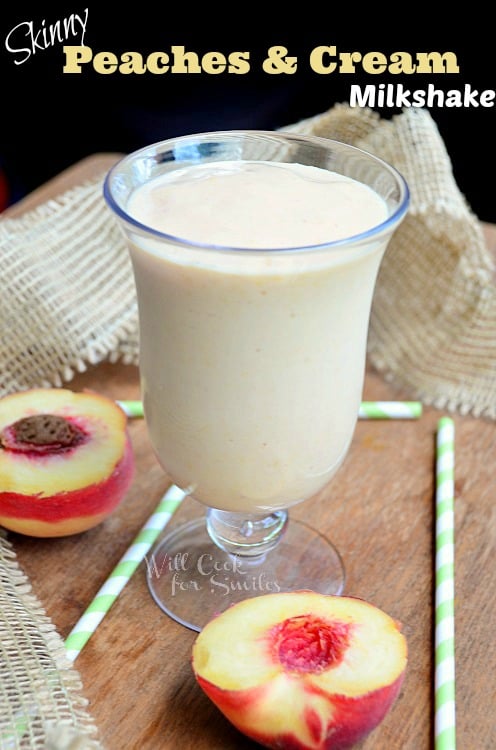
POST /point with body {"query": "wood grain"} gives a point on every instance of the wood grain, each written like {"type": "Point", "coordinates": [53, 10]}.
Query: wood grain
{"type": "Point", "coordinates": [378, 511]}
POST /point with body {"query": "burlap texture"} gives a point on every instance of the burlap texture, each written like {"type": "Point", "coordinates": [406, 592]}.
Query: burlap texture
{"type": "Point", "coordinates": [41, 705]}
{"type": "Point", "coordinates": [68, 300]}
{"type": "Point", "coordinates": [68, 296]}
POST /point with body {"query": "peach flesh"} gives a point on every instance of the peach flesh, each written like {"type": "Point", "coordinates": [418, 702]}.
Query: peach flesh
{"type": "Point", "coordinates": [89, 462]}
{"type": "Point", "coordinates": [63, 471]}
{"type": "Point", "coordinates": [319, 680]}
{"type": "Point", "coordinates": [88, 501]}
{"type": "Point", "coordinates": [309, 644]}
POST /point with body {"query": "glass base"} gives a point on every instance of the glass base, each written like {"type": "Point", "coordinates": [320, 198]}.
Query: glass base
{"type": "Point", "coordinates": [192, 580]}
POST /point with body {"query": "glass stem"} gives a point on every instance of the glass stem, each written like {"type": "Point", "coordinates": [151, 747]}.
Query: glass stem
{"type": "Point", "coordinates": [246, 534]}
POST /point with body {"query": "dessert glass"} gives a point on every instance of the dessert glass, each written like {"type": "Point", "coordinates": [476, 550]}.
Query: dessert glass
{"type": "Point", "coordinates": [252, 363]}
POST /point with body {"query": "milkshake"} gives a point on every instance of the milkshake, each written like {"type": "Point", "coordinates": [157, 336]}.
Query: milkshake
{"type": "Point", "coordinates": [255, 256]}
{"type": "Point", "coordinates": [254, 309]}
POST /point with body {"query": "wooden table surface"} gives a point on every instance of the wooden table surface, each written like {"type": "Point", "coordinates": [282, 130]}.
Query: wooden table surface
{"type": "Point", "coordinates": [378, 511]}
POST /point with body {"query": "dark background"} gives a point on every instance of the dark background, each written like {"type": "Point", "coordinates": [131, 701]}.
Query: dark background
{"type": "Point", "coordinates": [51, 120]}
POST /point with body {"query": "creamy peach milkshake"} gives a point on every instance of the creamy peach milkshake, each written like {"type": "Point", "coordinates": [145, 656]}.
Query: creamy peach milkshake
{"type": "Point", "coordinates": [255, 255]}
{"type": "Point", "coordinates": [253, 330]}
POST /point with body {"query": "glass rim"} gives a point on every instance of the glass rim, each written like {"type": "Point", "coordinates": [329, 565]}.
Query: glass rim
{"type": "Point", "coordinates": [279, 135]}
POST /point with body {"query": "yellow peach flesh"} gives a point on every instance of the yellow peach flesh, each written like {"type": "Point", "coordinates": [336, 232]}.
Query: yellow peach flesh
{"type": "Point", "coordinates": [302, 669]}
{"type": "Point", "coordinates": [376, 645]}
{"type": "Point", "coordinates": [90, 462]}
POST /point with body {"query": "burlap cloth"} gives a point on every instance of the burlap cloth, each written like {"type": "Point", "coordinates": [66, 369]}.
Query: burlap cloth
{"type": "Point", "coordinates": [41, 701]}
{"type": "Point", "coordinates": [68, 299]}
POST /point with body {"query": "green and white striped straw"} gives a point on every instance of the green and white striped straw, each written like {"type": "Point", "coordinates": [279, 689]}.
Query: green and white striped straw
{"type": "Point", "coordinates": [131, 409]}
{"type": "Point", "coordinates": [444, 641]}
{"type": "Point", "coordinates": [390, 410]}
{"type": "Point", "coordinates": [368, 409]}
{"type": "Point", "coordinates": [108, 593]}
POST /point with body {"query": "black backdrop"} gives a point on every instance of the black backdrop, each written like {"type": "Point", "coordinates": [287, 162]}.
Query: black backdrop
{"type": "Point", "coordinates": [51, 119]}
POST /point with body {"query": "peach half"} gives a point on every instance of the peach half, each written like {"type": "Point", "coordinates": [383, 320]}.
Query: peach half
{"type": "Point", "coordinates": [302, 670]}
{"type": "Point", "coordinates": [66, 461]}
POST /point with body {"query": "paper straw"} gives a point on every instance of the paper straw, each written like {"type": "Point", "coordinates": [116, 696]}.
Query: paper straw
{"type": "Point", "coordinates": [390, 410]}
{"type": "Point", "coordinates": [368, 409]}
{"type": "Point", "coordinates": [108, 593]}
{"type": "Point", "coordinates": [444, 642]}
{"type": "Point", "coordinates": [131, 408]}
